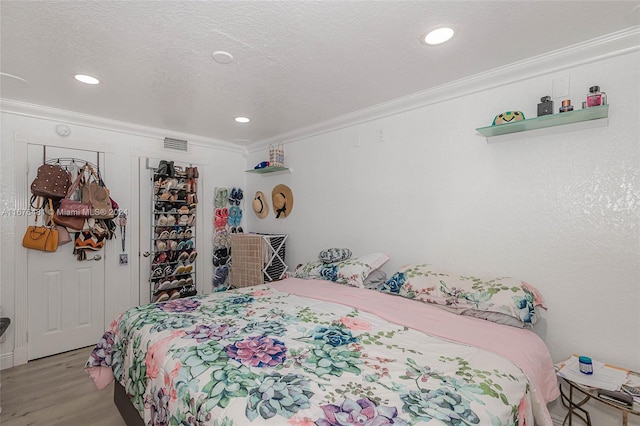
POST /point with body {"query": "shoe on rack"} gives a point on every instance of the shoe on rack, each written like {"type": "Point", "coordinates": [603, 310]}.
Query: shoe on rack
{"type": "Point", "coordinates": [160, 258]}
{"type": "Point", "coordinates": [161, 297]}
{"type": "Point", "coordinates": [163, 169]}
{"type": "Point", "coordinates": [188, 291]}
{"type": "Point", "coordinates": [175, 294]}
{"type": "Point", "coordinates": [179, 171]}
{"type": "Point", "coordinates": [220, 276]}
{"type": "Point", "coordinates": [164, 285]}
{"type": "Point", "coordinates": [221, 197]}
{"type": "Point", "coordinates": [235, 216]}
{"type": "Point", "coordinates": [232, 196]}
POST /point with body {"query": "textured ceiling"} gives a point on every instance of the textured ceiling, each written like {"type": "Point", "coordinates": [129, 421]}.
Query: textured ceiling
{"type": "Point", "coordinates": [295, 63]}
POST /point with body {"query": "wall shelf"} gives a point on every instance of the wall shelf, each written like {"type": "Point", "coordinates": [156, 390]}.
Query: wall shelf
{"type": "Point", "coordinates": [270, 169]}
{"type": "Point", "coordinates": [580, 115]}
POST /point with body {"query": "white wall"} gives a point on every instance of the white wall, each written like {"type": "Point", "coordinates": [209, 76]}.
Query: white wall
{"type": "Point", "coordinates": [219, 164]}
{"type": "Point", "coordinates": [560, 211]}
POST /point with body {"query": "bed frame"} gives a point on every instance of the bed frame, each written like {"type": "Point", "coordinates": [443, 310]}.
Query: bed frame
{"type": "Point", "coordinates": [125, 407]}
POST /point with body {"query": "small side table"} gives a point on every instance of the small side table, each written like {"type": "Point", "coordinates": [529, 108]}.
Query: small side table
{"type": "Point", "coordinates": [576, 408]}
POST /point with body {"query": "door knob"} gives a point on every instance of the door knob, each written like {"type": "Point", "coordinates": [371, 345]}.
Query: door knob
{"type": "Point", "coordinates": [146, 254]}
{"type": "Point", "coordinates": [96, 257]}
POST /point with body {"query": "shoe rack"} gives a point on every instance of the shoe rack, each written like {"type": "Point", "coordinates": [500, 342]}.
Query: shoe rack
{"type": "Point", "coordinates": [228, 212]}
{"type": "Point", "coordinates": [173, 232]}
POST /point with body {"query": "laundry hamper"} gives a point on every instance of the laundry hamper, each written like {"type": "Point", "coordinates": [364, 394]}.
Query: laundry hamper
{"type": "Point", "coordinates": [274, 266]}
{"type": "Point", "coordinates": [257, 258]}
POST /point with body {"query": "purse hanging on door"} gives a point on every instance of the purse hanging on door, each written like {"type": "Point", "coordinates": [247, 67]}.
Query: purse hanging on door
{"type": "Point", "coordinates": [95, 192]}
{"type": "Point", "coordinates": [73, 208]}
{"type": "Point", "coordinates": [68, 223]}
{"type": "Point", "coordinates": [43, 238]}
{"type": "Point", "coordinates": [52, 181]}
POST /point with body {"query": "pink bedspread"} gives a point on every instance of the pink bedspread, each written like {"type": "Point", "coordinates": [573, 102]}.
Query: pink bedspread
{"type": "Point", "coordinates": [503, 340]}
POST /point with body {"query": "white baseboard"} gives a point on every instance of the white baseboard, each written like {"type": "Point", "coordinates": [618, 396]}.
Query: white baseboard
{"type": "Point", "coordinates": [6, 361]}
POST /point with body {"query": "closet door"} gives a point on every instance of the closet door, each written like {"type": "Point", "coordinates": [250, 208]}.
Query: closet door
{"type": "Point", "coordinates": [65, 296]}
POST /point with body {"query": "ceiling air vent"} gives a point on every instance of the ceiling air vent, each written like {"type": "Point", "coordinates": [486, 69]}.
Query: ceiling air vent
{"type": "Point", "coordinates": [177, 144]}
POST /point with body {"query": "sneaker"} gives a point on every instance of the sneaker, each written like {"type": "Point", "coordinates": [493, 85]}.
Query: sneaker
{"type": "Point", "coordinates": [220, 276]}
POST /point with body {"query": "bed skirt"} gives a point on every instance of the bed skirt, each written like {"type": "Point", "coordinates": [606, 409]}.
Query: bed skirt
{"type": "Point", "coordinates": [127, 410]}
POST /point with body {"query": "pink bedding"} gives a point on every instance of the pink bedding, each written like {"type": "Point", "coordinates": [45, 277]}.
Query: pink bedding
{"type": "Point", "coordinates": [503, 340]}
{"type": "Point", "coordinates": [341, 351]}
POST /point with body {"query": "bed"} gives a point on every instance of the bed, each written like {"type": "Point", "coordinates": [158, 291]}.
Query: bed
{"type": "Point", "coordinates": [314, 352]}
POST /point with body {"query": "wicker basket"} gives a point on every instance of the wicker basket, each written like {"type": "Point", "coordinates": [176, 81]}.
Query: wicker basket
{"type": "Point", "coordinates": [276, 155]}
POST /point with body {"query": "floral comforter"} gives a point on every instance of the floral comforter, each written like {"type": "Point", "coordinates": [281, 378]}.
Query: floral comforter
{"type": "Point", "coordinates": [262, 356]}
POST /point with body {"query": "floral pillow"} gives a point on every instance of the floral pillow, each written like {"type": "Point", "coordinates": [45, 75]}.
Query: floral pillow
{"type": "Point", "coordinates": [468, 295]}
{"type": "Point", "coordinates": [352, 271]}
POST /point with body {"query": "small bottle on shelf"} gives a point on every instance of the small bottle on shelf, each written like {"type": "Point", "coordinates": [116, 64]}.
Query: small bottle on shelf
{"type": "Point", "coordinates": [596, 97]}
{"type": "Point", "coordinates": [585, 365]}
{"type": "Point", "coordinates": [566, 106]}
{"type": "Point", "coordinates": [545, 107]}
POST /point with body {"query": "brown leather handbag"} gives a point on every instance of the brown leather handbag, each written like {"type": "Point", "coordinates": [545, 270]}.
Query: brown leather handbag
{"type": "Point", "coordinates": [44, 238]}
{"type": "Point", "coordinates": [97, 194]}
{"type": "Point", "coordinates": [52, 181]}
{"type": "Point", "coordinates": [74, 223]}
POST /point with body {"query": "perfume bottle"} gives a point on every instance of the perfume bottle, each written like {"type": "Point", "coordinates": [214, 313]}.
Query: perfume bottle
{"type": "Point", "coordinates": [545, 107]}
{"type": "Point", "coordinates": [596, 97]}
{"type": "Point", "coordinates": [566, 106]}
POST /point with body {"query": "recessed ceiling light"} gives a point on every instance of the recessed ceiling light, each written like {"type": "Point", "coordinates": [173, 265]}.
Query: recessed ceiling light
{"type": "Point", "coordinates": [87, 79]}
{"type": "Point", "coordinates": [242, 119]}
{"type": "Point", "coordinates": [222, 57]}
{"type": "Point", "coordinates": [438, 36]}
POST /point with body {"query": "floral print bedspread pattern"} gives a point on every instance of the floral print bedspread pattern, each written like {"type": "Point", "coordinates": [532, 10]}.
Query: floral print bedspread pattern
{"type": "Point", "coordinates": [260, 356]}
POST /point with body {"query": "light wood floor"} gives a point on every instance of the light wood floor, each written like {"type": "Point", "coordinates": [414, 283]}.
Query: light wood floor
{"type": "Point", "coordinates": [56, 391]}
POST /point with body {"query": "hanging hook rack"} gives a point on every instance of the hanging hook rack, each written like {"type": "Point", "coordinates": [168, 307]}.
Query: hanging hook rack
{"type": "Point", "coordinates": [72, 162]}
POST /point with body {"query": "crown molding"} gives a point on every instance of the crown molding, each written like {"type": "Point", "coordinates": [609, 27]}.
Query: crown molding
{"type": "Point", "coordinates": [608, 46]}
{"type": "Point", "coordinates": [69, 117]}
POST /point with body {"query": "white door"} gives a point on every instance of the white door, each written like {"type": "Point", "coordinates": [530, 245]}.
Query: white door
{"type": "Point", "coordinates": [65, 296]}
{"type": "Point", "coordinates": [145, 239]}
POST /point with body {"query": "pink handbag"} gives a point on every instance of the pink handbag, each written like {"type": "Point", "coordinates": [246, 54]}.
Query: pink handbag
{"type": "Point", "coordinates": [73, 208]}
{"type": "Point", "coordinates": [69, 207]}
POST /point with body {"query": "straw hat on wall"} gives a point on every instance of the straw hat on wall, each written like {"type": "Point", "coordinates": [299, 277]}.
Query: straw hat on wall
{"type": "Point", "coordinates": [260, 206]}
{"type": "Point", "coordinates": [282, 199]}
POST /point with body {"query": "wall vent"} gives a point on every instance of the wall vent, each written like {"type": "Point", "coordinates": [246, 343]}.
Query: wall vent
{"type": "Point", "coordinates": [177, 144]}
